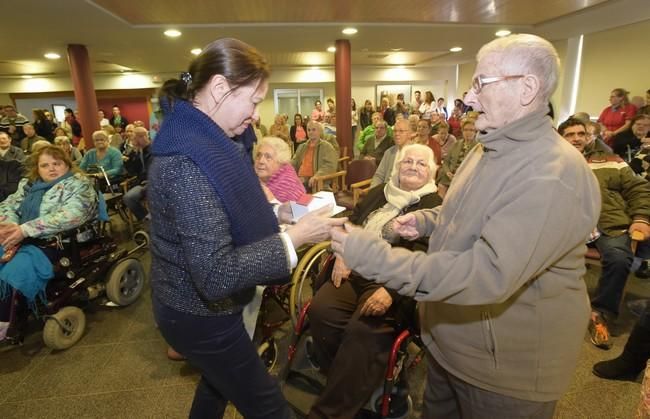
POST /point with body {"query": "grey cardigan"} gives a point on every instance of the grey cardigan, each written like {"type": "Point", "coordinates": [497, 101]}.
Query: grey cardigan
{"type": "Point", "coordinates": [195, 267]}
{"type": "Point", "coordinates": [504, 306]}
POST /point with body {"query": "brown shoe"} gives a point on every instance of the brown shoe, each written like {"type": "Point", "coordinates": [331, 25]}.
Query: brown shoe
{"type": "Point", "coordinates": [173, 355]}
{"type": "Point", "coordinates": [598, 331]}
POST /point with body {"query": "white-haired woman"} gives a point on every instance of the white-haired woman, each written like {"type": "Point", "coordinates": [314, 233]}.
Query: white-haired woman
{"type": "Point", "coordinates": [355, 317]}
{"type": "Point", "coordinates": [63, 142]}
{"type": "Point", "coordinates": [277, 175]}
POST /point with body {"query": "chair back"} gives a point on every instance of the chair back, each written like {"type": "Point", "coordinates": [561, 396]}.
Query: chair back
{"type": "Point", "coordinates": [359, 170]}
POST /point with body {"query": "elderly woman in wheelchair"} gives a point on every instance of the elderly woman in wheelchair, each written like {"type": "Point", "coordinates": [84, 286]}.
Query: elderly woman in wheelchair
{"type": "Point", "coordinates": [354, 321]}
{"type": "Point", "coordinates": [52, 198]}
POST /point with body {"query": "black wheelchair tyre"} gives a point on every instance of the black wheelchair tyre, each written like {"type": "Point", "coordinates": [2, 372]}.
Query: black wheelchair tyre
{"type": "Point", "coordinates": [58, 338]}
{"type": "Point", "coordinates": [125, 282]}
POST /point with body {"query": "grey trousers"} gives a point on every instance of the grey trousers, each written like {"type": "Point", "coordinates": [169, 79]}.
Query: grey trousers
{"type": "Point", "coordinates": [449, 397]}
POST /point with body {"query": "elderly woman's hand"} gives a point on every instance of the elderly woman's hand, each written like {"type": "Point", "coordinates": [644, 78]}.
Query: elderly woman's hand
{"type": "Point", "coordinates": [314, 227]}
{"type": "Point", "coordinates": [377, 304]}
{"type": "Point", "coordinates": [406, 226]}
{"type": "Point", "coordinates": [340, 272]}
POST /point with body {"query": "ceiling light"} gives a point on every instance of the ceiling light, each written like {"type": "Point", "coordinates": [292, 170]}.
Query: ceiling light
{"type": "Point", "coordinates": [172, 33]}
{"type": "Point", "coordinates": [455, 49]}
{"type": "Point", "coordinates": [350, 31]}
{"type": "Point", "coordinates": [27, 76]}
{"type": "Point", "coordinates": [52, 56]}
{"type": "Point", "coordinates": [331, 49]}
{"type": "Point", "coordinates": [314, 68]}
{"type": "Point", "coordinates": [503, 32]}
{"type": "Point", "coordinates": [396, 49]}
{"type": "Point", "coordinates": [196, 51]}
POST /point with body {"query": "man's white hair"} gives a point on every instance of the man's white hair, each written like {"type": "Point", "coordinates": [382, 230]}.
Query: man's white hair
{"type": "Point", "coordinates": [526, 54]}
{"type": "Point", "coordinates": [282, 151]}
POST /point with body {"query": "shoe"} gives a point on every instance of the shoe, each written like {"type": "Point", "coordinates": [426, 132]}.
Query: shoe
{"type": "Point", "coordinates": [173, 355]}
{"type": "Point", "coordinates": [632, 361]}
{"type": "Point", "coordinates": [644, 270]}
{"type": "Point", "coordinates": [598, 331]}
{"type": "Point", "coordinates": [637, 307]}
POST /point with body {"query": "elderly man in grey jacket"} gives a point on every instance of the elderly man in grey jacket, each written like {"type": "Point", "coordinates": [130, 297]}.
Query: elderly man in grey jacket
{"type": "Point", "coordinates": [503, 307]}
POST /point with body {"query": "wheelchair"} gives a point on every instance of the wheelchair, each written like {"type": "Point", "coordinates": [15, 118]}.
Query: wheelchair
{"type": "Point", "coordinates": [87, 264]}
{"type": "Point", "coordinates": [300, 379]}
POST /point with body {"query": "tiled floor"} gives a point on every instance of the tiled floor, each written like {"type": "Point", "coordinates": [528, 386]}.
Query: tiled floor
{"type": "Point", "coordinates": [119, 370]}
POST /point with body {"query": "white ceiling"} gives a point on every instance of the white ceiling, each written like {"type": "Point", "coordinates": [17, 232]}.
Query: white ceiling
{"type": "Point", "coordinates": [115, 43]}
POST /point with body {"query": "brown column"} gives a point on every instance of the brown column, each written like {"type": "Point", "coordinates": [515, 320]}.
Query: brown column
{"type": "Point", "coordinates": [84, 91]}
{"type": "Point", "coordinates": [342, 79]}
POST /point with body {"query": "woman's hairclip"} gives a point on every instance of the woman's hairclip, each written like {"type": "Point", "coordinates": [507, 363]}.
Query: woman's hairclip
{"type": "Point", "coordinates": [186, 77]}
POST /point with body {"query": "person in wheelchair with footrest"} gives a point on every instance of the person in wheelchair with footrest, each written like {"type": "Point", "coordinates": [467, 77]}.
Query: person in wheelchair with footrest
{"type": "Point", "coordinates": [53, 198]}
{"type": "Point", "coordinates": [355, 321]}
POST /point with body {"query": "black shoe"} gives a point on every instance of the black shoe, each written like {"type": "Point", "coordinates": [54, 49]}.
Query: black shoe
{"type": "Point", "coordinates": [644, 270]}
{"type": "Point", "coordinates": [637, 307]}
{"type": "Point", "coordinates": [618, 369]}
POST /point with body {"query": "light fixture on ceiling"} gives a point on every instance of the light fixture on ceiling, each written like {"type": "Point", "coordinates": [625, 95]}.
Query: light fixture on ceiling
{"type": "Point", "coordinates": [397, 49]}
{"type": "Point", "coordinates": [27, 76]}
{"type": "Point", "coordinates": [196, 51]}
{"type": "Point", "coordinates": [455, 49]}
{"type": "Point", "coordinates": [350, 31]}
{"type": "Point", "coordinates": [52, 56]}
{"type": "Point", "coordinates": [331, 49]}
{"type": "Point", "coordinates": [172, 33]}
{"type": "Point", "coordinates": [502, 33]}
{"type": "Point", "coordinates": [315, 68]}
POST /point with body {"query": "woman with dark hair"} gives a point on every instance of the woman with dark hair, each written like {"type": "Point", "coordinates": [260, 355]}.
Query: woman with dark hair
{"type": "Point", "coordinates": [365, 114]}
{"type": "Point", "coordinates": [72, 126]}
{"type": "Point", "coordinates": [298, 131]}
{"type": "Point", "coordinates": [427, 107]}
{"type": "Point", "coordinates": [43, 126]}
{"type": "Point", "coordinates": [214, 234]}
{"type": "Point", "coordinates": [617, 117]}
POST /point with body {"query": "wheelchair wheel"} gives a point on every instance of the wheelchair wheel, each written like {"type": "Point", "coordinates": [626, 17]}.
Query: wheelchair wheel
{"type": "Point", "coordinates": [268, 351]}
{"type": "Point", "coordinates": [301, 279]}
{"type": "Point", "coordinates": [401, 403]}
{"type": "Point", "coordinates": [64, 328]}
{"type": "Point", "coordinates": [141, 238]}
{"type": "Point", "coordinates": [125, 282]}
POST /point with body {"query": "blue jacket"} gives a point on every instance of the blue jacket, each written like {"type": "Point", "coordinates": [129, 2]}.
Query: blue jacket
{"type": "Point", "coordinates": [112, 161]}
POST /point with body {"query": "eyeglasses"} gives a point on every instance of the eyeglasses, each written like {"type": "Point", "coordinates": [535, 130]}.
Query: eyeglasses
{"type": "Point", "coordinates": [480, 81]}
{"type": "Point", "coordinates": [419, 164]}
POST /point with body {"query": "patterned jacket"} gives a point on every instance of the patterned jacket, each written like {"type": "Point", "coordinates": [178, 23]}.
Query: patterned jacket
{"type": "Point", "coordinates": [68, 204]}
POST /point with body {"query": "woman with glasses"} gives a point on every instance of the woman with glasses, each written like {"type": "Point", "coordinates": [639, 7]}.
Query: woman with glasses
{"type": "Point", "coordinates": [354, 321]}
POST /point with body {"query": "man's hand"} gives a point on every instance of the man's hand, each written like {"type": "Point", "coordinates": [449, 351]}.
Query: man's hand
{"type": "Point", "coordinates": [340, 272]}
{"type": "Point", "coordinates": [378, 303]}
{"type": "Point", "coordinates": [339, 236]}
{"type": "Point", "coordinates": [643, 228]}
{"type": "Point", "coordinates": [314, 227]}
{"type": "Point", "coordinates": [406, 226]}
{"type": "Point", "coordinates": [312, 182]}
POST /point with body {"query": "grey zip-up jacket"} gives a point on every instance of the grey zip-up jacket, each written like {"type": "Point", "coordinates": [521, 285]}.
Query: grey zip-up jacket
{"type": "Point", "coordinates": [502, 302]}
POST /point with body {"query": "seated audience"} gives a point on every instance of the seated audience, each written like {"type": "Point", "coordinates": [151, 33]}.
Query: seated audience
{"type": "Point", "coordinates": [403, 137]}
{"type": "Point", "coordinates": [354, 321]}
{"type": "Point", "coordinates": [40, 144]}
{"type": "Point", "coordinates": [593, 136]}
{"type": "Point", "coordinates": [625, 209]}
{"type": "Point", "coordinates": [52, 198]}
{"type": "Point", "coordinates": [627, 143]}
{"type": "Point", "coordinates": [114, 140]}
{"type": "Point", "coordinates": [137, 164]}
{"type": "Point", "coordinates": [645, 110]}
{"type": "Point", "coordinates": [11, 172]}
{"type": "Point", "coordinates": [12, 123]}
{"type": "Point", "coordinates": [279, 128]}
{"type": "Point", "coordinates": [127, 145]}
{"type": "Point", "coordinates": [43, 126]}
{"type": "Point", "coordinates": [8, 151]}
{"type": "Point", "coordinates": [454, 121]}
{"type": "Point", "coordinates": [369, 131]}
{"type": "Point", "coordinates": [29, 139]}
{"type": "Point", "coordinates": [105, 156]}
{"type": "Point", "coordinates": [273, 166]}
{"type": "Point", "coordinates": [456, 156]}
{"type": "Point", "coordinates": [64, 143]}
{"type": "Point", "coordinates": [443, 141]}
{"type": "Point", "coordinates": [377, 145]}
{"type": "Point", "coordinates": [315, 157]}
{"type": "Point", "coordinates": [317, 114]}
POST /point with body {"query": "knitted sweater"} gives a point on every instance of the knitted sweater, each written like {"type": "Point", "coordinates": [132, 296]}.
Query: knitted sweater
{"type": "Point", "coordinates": [285, 184]}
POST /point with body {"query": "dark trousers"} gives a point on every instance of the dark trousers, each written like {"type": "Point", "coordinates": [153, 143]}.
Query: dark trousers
{"type": "Point", "coordinates": [448, 397]}
{"type": "Point", "coordinates": [616, 258]}
{"type": "Point", "coordinates": [351, 349]}
{"type": "Point", "coordinates": [230, 368]}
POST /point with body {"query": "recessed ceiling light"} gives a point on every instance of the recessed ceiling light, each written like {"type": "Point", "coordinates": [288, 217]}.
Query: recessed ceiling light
{"type": "Point", "coordinates": [503, 32]}
{"type": "Point", "coordinates": [396, 49]}
{"type": "Point", "coordinates": [455, 49]}
{"type": "Point", "coordinates": [27, 76]}
{"type": "Point", "coordinates": [350, 31]}
{"type": "Point", "coordinates": [196, 51]}
{"type": "Point", "coordinates": [331, 49]}
{"type": "Point", "coordinates": [172, 33]}
{"type": "Point", "coordinates": [52, 56]}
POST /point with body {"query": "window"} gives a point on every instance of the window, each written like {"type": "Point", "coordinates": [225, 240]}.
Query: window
{"type": "Point", "coordinates": [293, 101]}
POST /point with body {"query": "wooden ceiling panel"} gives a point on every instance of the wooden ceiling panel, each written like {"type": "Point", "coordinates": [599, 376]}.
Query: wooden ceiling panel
{"type": "Point", "coordinates": [515, 12]}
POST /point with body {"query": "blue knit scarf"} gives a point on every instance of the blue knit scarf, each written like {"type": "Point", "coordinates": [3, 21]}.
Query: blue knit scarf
{"type": "Point", "coordinates": [186, 131]}
{"type": "Point", "coordinates": [30, 208]}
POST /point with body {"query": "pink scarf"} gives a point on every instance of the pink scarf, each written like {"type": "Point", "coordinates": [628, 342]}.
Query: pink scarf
{"type": "Point", "coordinates": [285, 184]}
